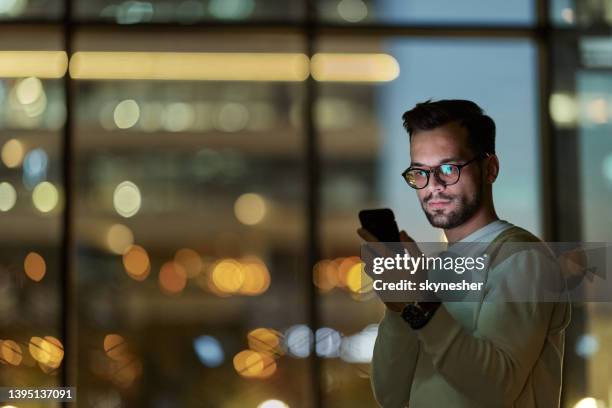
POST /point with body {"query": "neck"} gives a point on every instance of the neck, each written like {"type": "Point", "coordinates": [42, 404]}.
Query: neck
{"type": "Point", "coordinates": [484, 216]}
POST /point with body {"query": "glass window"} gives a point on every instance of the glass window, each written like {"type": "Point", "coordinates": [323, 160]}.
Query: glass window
{"type": "Point", "coordinates": [191, 218]}
{"type": "Point", "coordinates": [32, 115]}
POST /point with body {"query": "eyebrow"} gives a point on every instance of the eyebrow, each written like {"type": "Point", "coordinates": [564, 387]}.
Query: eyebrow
{"type": "Point", "coordinates": [443, 161]}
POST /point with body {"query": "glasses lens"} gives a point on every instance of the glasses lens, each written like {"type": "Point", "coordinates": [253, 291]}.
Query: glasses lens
{"type": "Point", "coordinates": [416, 178]}
{"type": "Point", "coordinates": [448, 173]}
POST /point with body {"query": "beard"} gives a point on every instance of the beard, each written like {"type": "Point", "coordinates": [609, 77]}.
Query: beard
{"type": "Point", "coordinates": [465, 208]}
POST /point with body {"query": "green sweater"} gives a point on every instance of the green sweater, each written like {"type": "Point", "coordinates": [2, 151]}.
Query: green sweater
{"type": "Point", "coordinates": [478, 354]}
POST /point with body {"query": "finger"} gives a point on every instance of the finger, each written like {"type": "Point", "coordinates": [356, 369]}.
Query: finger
{"type": "Point", "coordinates": [366, 235]}
{"type": "Point", "coordinates": [409, 244]}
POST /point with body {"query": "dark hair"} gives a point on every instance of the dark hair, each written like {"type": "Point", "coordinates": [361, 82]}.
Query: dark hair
{"type": "Point", "coordinates": [429, 115]}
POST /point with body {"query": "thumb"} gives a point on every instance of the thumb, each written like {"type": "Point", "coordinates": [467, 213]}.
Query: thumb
{"type": "Point", "coordinates": [404, 237]}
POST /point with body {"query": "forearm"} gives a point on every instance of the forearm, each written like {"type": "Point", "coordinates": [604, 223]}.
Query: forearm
{"type": "Point", "coordinates": [394, 360]}
{"type": "Point", "coordinates": [489, 368]}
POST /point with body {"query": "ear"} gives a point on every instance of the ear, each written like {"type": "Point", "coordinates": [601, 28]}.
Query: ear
{"type": "Point", "coordinates": [492, 169]}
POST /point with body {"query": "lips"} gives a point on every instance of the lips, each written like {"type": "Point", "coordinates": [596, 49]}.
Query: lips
{"type": "Point", "coordinates": [438, 204]}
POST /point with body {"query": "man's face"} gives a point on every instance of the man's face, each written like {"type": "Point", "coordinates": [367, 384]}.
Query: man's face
{"type": "Point", "coordinates": [447, 206]}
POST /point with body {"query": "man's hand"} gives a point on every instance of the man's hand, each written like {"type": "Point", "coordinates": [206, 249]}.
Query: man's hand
{"type": "Point", "coordinates": [408, 243]}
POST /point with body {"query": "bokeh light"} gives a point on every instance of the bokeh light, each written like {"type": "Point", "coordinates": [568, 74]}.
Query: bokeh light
{"type": "Point", "coordinates": [352, 11]}
{"type": "Point", "coordinates": [126, 114]}
{"type": "Point", "coordinates": [359, 347]}
{"type": "Point", "coordinates": [45, 197]}
{"type": "Point", "coordinates": [265, 341]}
{"type": "Point", "coordinates": [299, 340]}
{"type": "Point", "coordinates": [29, 90]}
{"type": "Point", "coordinates": [231, 9]}
{"type": "Point", "coordinates": [209, 351]}
{"type": "Point", "coordinates": [250, 208]}
{"type": "Point", "coordinates": [136, 262]}
{"type": "Point", "coordinates": [12, 153]}
{"type": "Point", "coordinates": [11, 352]}
{"type": "Point", "coordinates": [48, 351]}
{"type": "Point", "coordinates": [227, 275]}
{"type": "Point", "coordinates": [34, 266]}
{"type": "Point", "coordinates": [179, 117]}
{"type": "Point", "coordinates": [127, 199]}
{"type": "Point", "coordinates": [563, 109]}
{"type": "Point", "coordinates": [357, 280]}
{"type": "Point", "coordinates": [256, 277]}
{"type": "Point", "coordinates": [116, 347]}
{"type": "Point", "coordinates": [252, 364]}
{"type": "Point", "coordinates": [8, 196]}
{"type": "Point", "coordinates": [119, 238]}
{"type": "Point", "coordinates": [328, 342]}
{"type": "Point", "coordinates": [587, 345]}
{"type": "Point", "coordinates": [272, 403]}
{"type": "Point", "coordinates": [172, 278]}
{"type": "Point", "coordinates": [190, 260]}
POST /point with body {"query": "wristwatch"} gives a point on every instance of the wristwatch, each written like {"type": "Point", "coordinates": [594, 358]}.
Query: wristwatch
{"type": "Point", "coordinates": [417, 314]}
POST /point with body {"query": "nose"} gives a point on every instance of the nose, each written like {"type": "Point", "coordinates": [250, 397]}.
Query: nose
{"type": "Point", "coordinates": [434, 185]}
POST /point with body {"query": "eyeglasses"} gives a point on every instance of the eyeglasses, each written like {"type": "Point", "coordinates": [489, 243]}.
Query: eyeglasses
{"type": "Point", "coordinates": [445, 174]}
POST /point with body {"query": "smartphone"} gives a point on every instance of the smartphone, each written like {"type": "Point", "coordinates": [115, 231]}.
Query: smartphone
{"type": "Point", "coordinates": [380, 222]}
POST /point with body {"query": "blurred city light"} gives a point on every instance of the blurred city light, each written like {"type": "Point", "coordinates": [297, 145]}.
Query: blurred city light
{"type": "Point", "coordinates": [116, 347]}
{"type": "Point", "coordinates": [299, 340]}
{"type": "Point", "coordinates": [273, 403]}
{"type": "Point", "coordinates": [179, 117]}
{"type": "Point", "coordinates": [10, 352]}
{"type": "Point", "coordinates": [352, 11]}
{"type": "Point", "coordinates": [567, 14]}
{"type": "Point", "coordinates": [252, 364]}
{"type": "Point", "coordinates": [597, 110]}
{"type": "Point", "coordinates": [12, 153]}
{"type": "Point", "coordinates": [136, 262]}
{"type": "Point", "coordinates": [231, 9]}
{"type": "Point", "coordinates": [359, 347]}
{"type": "Point", "coordinates": [126, 114]}
{"type": "Point", "coordinates": [35, 167]}
{"type": "Point", "coordinates": [172, 278]}
{"type": "Point", "coordinates": [45, 197]}
{"type": "Point", "coordinates": [8, 196]}
{"type": "Point", "coordinates": [256, 277]}
{"type": "Point", "coordinates": [48, 351]}
{"type": "Point", "coordinates": [41, 64]}
{"type": "Point", "coordinates": [119, 238]}
{"type": "Point", "coordinates": [227, 275]}
{"type": "Point", "coordinates": [126, 199]}
{"type": "Point", "coordinates": [250, 208]}
{"type": "Point", "coordinates": [563, 109]}
{"type": "Point", "coordinates": [34, 266]}
{"type": "Point", "coordinates": [189, 66]}
{"type": "Point", "coordinates": [209, 351]}
{"type": "Point", "coordinates": [328, 342]}
{"type": "Point", "coordinates": [265, 341]}
{"type": "Point", "coordinates": [232, 117]}
{"type": "Point", "coordinates": [587, 345]}
{"type": "Point", "coordinates": [190, 260]}
{"type": "Point", "coordinates": [590, 403]}
{"type": "Point", "coordinates": [29, 90]}
{"type": "Point", "coordinates": [354, 67]}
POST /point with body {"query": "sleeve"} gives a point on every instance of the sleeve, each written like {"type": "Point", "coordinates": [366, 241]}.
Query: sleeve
{"type": "Point", "coordinates": [493, 363]}
{"type": "Point", "coordinates": [394, 361]}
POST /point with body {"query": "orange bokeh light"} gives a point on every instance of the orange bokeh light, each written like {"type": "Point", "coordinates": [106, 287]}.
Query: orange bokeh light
{"type": "Point", "coordinates": [35, 266]}
{"type": "Point", "coordinates": [172, 278]}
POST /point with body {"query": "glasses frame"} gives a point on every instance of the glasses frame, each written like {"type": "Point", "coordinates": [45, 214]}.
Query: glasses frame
{"type": "Point", "coordinates": [435, 170]}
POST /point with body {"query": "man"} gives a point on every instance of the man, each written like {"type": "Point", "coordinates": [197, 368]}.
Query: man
{"type": "Point", "coordinates": [492, 353]}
